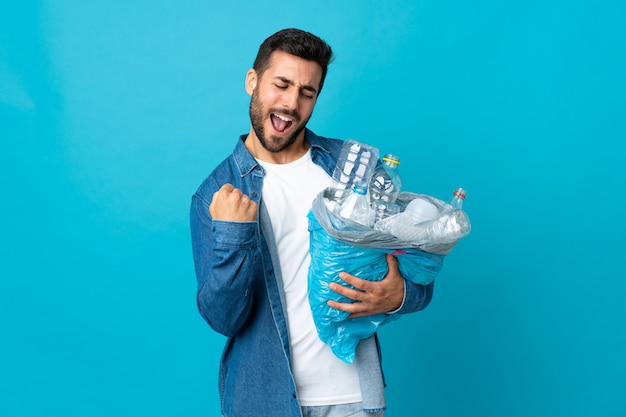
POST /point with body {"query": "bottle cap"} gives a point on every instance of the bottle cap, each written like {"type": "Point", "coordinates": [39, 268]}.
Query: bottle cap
{"type": "Point", "coordinates": [391, 159]}
{"type": "Point", "coordinates": [460, 192]}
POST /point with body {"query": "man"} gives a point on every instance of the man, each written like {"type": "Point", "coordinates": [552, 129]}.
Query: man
{"type": "Point", "coordinates": [251, 252]}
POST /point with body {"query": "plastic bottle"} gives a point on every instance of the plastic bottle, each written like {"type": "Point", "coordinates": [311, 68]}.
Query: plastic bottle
{"type": "Point", "coordinates": [386, 183]}
{"type": "Point", "coordinates": [356, 163]}
{"type": "Point", "coordinates": [451, 224]}
{"type": "Point", "coordinates": [421, 210]}
{"type": "Point", "coordinates": [384, 210]}
{"type": "Point", "coordinates": [356, 206]}
{"type": "Point", "coordinates": [458, 196]}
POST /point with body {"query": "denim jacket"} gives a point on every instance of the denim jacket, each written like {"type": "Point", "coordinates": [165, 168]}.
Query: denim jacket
{"type": "Point", "coordinates": [240, 295]}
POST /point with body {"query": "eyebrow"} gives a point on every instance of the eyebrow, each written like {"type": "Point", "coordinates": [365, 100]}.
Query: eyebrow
{"type": "Point", "coordinates": [304, 87]}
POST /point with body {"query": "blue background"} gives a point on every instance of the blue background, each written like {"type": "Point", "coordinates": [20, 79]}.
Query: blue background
{"type": "Point", "coordinates": [112, 113]}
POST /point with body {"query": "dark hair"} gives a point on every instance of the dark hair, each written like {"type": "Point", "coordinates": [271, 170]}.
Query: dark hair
{"type": "Point", "coordinates": [296, 42]}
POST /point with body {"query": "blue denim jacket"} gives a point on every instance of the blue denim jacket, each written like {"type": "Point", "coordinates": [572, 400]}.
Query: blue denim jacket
{"type": "Point", "coordinates": [240, 295]}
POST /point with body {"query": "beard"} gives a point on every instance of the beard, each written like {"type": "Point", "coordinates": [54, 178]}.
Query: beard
{"type": "Point", "coordinates": [274, 144]}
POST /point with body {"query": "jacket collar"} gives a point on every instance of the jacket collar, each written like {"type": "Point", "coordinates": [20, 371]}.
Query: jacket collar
{"type": "Point", "coordinates": [246, 163]}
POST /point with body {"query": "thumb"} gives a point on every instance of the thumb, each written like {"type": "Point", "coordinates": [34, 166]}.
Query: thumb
{"type": "Point", "coordinates": [392, 261]}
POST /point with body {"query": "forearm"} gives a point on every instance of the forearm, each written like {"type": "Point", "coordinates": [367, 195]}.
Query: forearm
{"type": "Point", "coordinates": [225, 255]}
{"type": "Point", "coordinates": [416, 297]}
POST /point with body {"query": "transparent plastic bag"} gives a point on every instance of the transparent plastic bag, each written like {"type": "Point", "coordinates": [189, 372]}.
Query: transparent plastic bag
{"type": "Point", "coordinates": [380, 237]}
{"type": "Point", "coordinates": [436, 235]}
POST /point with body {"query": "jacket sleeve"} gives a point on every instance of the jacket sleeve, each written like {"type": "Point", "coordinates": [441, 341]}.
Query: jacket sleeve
{"type": "Point", "coordinates": [416, 297]}
{"type": "Point", "coordinates": [225, 255]}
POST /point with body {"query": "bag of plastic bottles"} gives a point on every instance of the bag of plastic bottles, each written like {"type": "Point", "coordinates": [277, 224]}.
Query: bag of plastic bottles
{"type": "Point", "coordinates": [338, 244]}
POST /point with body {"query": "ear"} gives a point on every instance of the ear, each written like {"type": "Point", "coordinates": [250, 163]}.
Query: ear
{"type": "Point", "coordinates": [251, 81]}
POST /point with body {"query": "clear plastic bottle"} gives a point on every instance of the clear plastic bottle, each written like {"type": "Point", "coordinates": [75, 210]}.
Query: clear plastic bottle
{"type": "Point", "coordinates": [458, 196]}
{"type": "Point", "coordinates": [384, 210]}
{"type": "Point", "coordinates": [451, 224]}
{"type": "Point", "coordinates": [356, 206]}
{"type": "Point", "coordinates": [356, 162]}
{"type": "Point", "coordinates": [421, 210]}
{"type": "Point", "coordinates": [386, 183]}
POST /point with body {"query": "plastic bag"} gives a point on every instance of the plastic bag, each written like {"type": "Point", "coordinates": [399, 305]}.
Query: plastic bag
{"type": "Point", "coordinates": [437, 235]}
{"type": "Point", "coordinates": [340, 245]}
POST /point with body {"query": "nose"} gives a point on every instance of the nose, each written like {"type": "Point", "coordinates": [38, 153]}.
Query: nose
{"type": "Point", "coordinates": [290, 99]}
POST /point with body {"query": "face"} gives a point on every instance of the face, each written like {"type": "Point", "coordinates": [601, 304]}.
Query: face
{"type": "Point", "coordinates": [283, 97]}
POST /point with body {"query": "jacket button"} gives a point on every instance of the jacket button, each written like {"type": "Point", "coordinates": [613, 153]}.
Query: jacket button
{"type": "Point", "coordinates": [254, 194]}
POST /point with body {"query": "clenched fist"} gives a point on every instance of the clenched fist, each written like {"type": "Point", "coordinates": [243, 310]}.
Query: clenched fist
{"type": "Point", "coordinates": [231, 204]}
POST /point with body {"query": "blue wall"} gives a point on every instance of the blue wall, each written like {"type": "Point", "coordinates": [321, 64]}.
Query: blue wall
{"type": "Point", "coordinates": [111, 113]}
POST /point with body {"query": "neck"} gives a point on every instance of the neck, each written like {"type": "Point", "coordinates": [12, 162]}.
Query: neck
{"type": "Point", "coordinates": [292, 153]}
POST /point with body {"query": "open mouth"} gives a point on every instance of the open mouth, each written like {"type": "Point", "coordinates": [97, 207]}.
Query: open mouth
{"type": "Point", "coordinates": [280, 122]}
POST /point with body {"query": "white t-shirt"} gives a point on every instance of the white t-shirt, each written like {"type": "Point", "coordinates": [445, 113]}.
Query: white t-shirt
{"type": "Point", "coordinates": [288, 191]}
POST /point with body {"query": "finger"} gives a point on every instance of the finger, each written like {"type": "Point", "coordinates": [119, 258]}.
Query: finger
{"type": "Point", "coordinates": [355, 309]}
{"type": "Point", "coordinates": [242, 199]}
{"type": "Point", "coordinates": [352, 308]}
{"type": "Point", "coordinates": [351, 293]}
{"type": "Point", "coordinates": [227, 188]}
{"type": "Point", "coordinates": [214, 201]}
{"type": "Point", "coordinates": [250, 207]}
{"type": "Point", "coordinates": [223, 193]}
{"type": "Point", "coordinates": [356, 282]}
{"type": "Point", "coordinates": [392, 261]}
